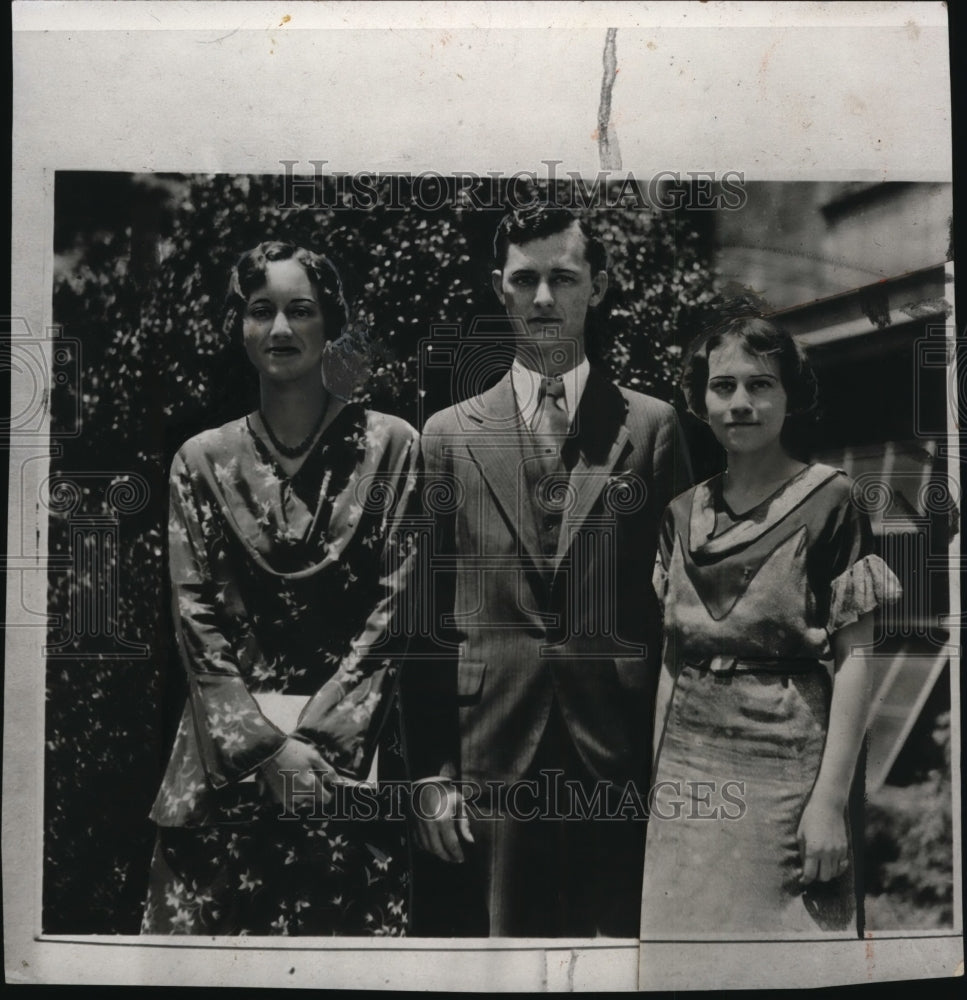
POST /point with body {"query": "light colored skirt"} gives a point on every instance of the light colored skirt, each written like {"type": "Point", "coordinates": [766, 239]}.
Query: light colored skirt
{"type": "Point", "coordinates": [736, 765]}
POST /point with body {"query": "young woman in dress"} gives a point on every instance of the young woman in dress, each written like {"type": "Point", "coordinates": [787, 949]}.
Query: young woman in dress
{"type": "Point", "coordinates": [769, 582]}
{"type": "Point", "coordinates": [287, 560]}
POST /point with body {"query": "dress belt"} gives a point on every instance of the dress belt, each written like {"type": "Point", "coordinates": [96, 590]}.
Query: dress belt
{"type": "Point", "coordinates": [753, 665]}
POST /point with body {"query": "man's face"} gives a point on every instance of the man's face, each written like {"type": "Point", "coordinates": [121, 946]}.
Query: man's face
{"type": "Point", "coordinates": [547, 288]}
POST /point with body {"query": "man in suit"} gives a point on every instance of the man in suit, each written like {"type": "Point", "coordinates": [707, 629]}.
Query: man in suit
{"type": "Point", "coordinates": [545, 496]}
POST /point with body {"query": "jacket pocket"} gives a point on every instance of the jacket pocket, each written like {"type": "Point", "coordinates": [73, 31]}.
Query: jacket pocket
{"type": "Point", "coordinates": [470, 675]}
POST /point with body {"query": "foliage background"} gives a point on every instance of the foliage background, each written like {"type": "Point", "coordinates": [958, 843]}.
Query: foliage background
{"type": "Point", "coordinates": [142, 264]}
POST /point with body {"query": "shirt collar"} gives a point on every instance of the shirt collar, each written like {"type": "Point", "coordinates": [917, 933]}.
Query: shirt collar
{"type": "Point", "coordinates": [527, 383]}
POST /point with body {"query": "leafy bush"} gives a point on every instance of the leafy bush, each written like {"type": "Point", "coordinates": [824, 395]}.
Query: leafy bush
{"type": "Point", "coordinates": [909, 853]}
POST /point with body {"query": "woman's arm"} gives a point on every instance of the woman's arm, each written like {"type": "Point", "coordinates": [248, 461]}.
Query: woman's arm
{"type": "Point", "coordinates": [345, 716]}
{"type": "Point", "coordinates": [233, 736]}
{"type": "Point", "coordinates": [823, 839]}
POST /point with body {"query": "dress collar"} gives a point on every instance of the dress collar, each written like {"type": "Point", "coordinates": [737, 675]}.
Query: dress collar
{"type": "Point", "coordinates": [756, 522]}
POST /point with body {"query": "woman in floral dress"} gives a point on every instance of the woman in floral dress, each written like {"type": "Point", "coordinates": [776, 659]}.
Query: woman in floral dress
{"type": "Point", "coordinates": [769, 582]}
{"type": "Point", "coordinates": [288, 558]}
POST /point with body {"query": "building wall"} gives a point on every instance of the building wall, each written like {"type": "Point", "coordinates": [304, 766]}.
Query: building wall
{"type": "Point", "coordinates": [793, 243]}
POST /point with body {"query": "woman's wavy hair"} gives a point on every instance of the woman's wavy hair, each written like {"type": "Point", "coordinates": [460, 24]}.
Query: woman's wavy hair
{"type": "Point", "coordinates": [250, 273]}
{"type": "Point", "coordinates": [758, 335]}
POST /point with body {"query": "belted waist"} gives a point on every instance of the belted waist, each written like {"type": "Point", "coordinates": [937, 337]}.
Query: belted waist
{"type": "Point", "coordinates": [752, 665]}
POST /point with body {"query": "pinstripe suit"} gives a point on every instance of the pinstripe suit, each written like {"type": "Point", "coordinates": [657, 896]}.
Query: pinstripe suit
{"type": "Point", "coordinates": [550, 615]}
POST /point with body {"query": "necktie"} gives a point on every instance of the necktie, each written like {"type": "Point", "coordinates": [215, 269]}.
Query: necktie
{"type": "Point", "coordinates": [550, 489]}
{"type": "Point", "coordinates": [552, 418]}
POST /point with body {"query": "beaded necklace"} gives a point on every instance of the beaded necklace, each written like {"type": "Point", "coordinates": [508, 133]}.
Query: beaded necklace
{"type": "Point", "coordinates": [300, 449]}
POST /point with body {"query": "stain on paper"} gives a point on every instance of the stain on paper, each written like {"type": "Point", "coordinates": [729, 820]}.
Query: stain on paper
{"type": "Point", "coordinates": [607, 138]}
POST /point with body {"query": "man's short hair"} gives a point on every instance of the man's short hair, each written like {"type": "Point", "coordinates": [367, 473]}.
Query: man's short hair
{"type": "Point", "coordinates": [539, 221]}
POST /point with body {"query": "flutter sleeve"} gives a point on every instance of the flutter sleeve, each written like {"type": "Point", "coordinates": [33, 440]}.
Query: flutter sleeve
{"type": "Point", "coordinates": [860, 580]}
{"type": "Point", "coordinates": [344, 718]}
{"type": "Point", "coordinates": [233, 736]}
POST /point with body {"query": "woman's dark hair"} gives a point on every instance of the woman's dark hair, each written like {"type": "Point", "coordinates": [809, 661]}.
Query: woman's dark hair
{"type": "Point", "coordinates": [759, 336]}
{"type": "Point", "coordinates": [250, 273]}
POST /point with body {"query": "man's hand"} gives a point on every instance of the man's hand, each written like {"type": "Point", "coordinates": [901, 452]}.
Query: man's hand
{"type": "Point", "coordinates": [441, 819]}
{"type": "Point", "coordinates": [304, 789]}
{"type": "Point", "coordinates": [823, 843]}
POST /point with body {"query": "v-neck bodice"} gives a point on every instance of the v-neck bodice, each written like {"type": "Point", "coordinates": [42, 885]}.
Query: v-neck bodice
{"type": "Point", "coordinates": [294, 508]}
{"type": "Point", "coordinates": [283, 554]}
{"type": "Point", "coordinates": [763, 584]}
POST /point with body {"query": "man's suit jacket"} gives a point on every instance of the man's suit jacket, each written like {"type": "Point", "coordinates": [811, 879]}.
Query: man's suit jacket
{"type": "Point", "coordinates": [524, 616]}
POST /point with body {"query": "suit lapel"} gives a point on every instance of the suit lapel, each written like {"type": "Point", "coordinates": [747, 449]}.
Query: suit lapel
{"type": "Point", "coordinates": [601, 438]}
{"type": "Point", "coordinates": [499, 455]}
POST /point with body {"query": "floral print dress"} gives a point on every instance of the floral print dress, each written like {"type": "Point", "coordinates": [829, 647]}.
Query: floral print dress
{"type": "Point", "coordinates": [286, 586]}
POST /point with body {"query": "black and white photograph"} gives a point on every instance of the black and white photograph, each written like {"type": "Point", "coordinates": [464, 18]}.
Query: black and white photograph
{"type": "Point", "coordinates": [545, 562]}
